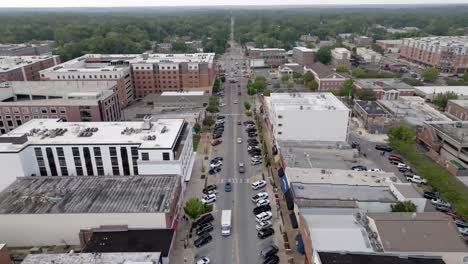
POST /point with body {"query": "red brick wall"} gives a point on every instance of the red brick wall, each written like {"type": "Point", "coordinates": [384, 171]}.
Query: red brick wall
{"type": "Point", "coordinates": [5, 255]}
{"type": "Point", "coordinates": [458, 111]}
{"type": "Point", "coordinates": [326, 85]}
{"type": "Point", "coordinates": [304, 231]}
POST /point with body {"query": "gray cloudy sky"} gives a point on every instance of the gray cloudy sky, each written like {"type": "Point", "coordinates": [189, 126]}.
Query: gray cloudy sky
{"type": "Point", "coordinates": [115, 3]}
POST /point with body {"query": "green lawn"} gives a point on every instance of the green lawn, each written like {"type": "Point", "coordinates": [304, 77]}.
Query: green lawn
{"type": "Point", "coordinates": [196, 141]}
{"type": "Point", "coordinates": [450, 188]}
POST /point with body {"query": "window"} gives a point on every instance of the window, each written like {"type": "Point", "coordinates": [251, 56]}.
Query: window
{"type": "Point", "coordinates": [166, 156]}
{"type": "Point", "coordinates": [124, 157]}
{"type": "Point", "coordinates": [76, 151]}
{"type": "Point", "coordinates": [97, 151]}
{"type": "Point", "coordinates": [60, 152]}
{"type": "Point", "coordinates": [279, 132]}
{"type": "Point", "coordinates": [113, 151]}
{"type": "Point", "coordinates": [145, 156]}
{"type": "Point", "coordinates": [280, 116]}
{"type": "Point", "coordinates": [51, 160]}
{"type": "Point", "coordinates": [43, 110]}
{"type": "Point", "coordinates": [53, 110]}
{"type": "Point", "coordinates": [88, 161]}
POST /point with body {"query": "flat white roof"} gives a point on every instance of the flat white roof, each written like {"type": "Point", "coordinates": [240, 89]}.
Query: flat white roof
{"type": "Point", "coordinates": [308, 102]}
{"type": "Point", "coordinates": [188, 93]}
{"type": "Point", "coordinates": [337, 233]}
{"type": "Point", "coordinates": [429, 90]}
{"type": "Point", "coordinates": [8, 63]}
{"type": "Point", "coordinates": [165, 132]}
{"type": "Point", "coordinates": [336, 176]}
{"type": "Point", "coordinates": [96, 258]}
{"type": "Point", "coordinates": [341, 50]}
{"type": "Point", "coordinates": [304, 49]}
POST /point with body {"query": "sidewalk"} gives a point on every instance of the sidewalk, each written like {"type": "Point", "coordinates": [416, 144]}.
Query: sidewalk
{"type": "Point", "coordinates": [284, 232]}
{"type": "Point", "coordinates": [178, 253]}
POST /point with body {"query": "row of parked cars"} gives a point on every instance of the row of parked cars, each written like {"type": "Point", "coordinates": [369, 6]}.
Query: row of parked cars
{"type": "Point", "coordinates": [435, 199]}
{"type": "Point", "coordinates": [218, 130]}
{"type": "Point", "coordinates": [203, 226]}
{"type": "Point", "coordinates": [252, 143]}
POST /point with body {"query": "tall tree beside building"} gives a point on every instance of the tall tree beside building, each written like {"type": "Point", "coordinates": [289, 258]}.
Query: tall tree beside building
{"type": "Point", "coordinates": [430, 74]}
{"type": "Point", "coordinates": [441, 99]}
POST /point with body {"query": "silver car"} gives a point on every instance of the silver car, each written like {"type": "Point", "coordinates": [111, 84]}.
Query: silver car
{"type": "Point", "coordinates": [241, 167]}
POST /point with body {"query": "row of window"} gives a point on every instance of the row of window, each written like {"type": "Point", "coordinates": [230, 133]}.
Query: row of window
{"type": "Point", "coordinates": [34, 110]}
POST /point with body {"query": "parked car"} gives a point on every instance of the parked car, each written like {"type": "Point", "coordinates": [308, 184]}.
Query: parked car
{"type": "Point", "coordinates": [216, 164]}
{"type": "Point", "coordinates": [259, 196]}
{"type": "Point", "coordinates": [266, 232]}
{"type": "Point", "coordinates": [205, 229]}
{"type": "Point", "coordinates": [216, 159]}
{"type": "Point", "coordinates": [252, 148]}
{"type": "Point", "coordinates": [272, 259]}
{"type": "Point", "coordinates": [241, 167]}
{"type": "Point", "coordinates": [402, 165]}
{"type": "Point", "coordinates": [216, 136]}
{"type": "Point", "coordinates": [463, 231]}
{"type": "Point", "coordinates": [405, 170]}
{"type": "Point", "coordinates": [204, 219]}
{"type": "Point", "coordinates": [441, 202]}
{"type": "Point", "coordinates": [204, 260]}
{"type": "Point", "coordinates": [210, 198]}
{"type": "Point", "coordinates": [248, 122]}
{"type": "Point", "coordinates": [216, 142]}
{"type": "Point", "coordinates": [454, 215]}
{"type": "Point", "coordinates": [220, 117]}
{"type": "Point", "coordinates": [227, 187]}
{"type": "Point", "coordinates": [263, 216]}
{"type": "Point", "coordinates": [209, 188]}
{"type": "Point", "coordinates": [383, 148]}
{"type": "Point", "coordinates": [359, 168]}
{"type": "Point", "coordinates": [268, 251]}
{"type": "Point", "coordinates": [214, 170]}
{"type": "Point", "coordinates": [415, 179]}
{"type": "Point", "coordinates": [258, 184]}
{"type": "Point", "coordinates": [374, 170]}
{"type": "Point", "coordinates": [251, 135]}
{"type": "Point", "coordinates": [255, 162]}
{"type": "Point", "coordinates": [443, 209]}
{"type": "Point", "coordinates": [263, 202]}
{"type": "Point", "coordinates": [261, 209]}
{"type": "Point", "coordinates": [201, 227]}
{"type": "Point", "coordinates": [395, 162]}
{"type": "Point", "coordinates": [239, 140]}
{"type": "Point", "coordinates": [263, 224]}
{"type": "Point", "coordinates": [460, 223]}
{"type": "Point", "coordinates": [395, 158]}
{"type": "Point", "coordinates": [202, 241]}
{"type": "Point", "coordinates": [431, 195]}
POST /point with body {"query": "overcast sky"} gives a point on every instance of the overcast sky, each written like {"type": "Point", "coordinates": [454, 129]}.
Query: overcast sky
{"type": "Point", "coordinates": [117, 3]}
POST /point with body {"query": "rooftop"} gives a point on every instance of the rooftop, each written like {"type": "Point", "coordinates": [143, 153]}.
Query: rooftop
{"type": "Point", "coordinates": [382, 84]}
{"type": "Point", "coordinates": [8, 63]}
{"type": "Point", "coordinates": [338, 176]}
{"type": "Point", "coordinates": [461, 103]}
{"type": "Point", "coordinates": [304, 49]}
{"type": "Point", "coordinates": [268, 49]}
{"type": "Point", "coordinates": [371, 107]}
{"type": "Point", "coordinates": [407, 190]}
{"type": "Point", "coordinates": [327, 231]}
{"type": "Point", "coordinates": [390, 41]}
{"type": "Point", "coordinates": [185, 93]}
{"type": "Point", "coordinates": [443, 41]}
{"type": "Point", "coordinates": [431, 90]}
{"type": "Point", "coordinates": [341, 50]}
{"type": "Point", "coordinates": [161, 133]}
{"type": "Point", "coordinates": [101, 258]}
{"type": "Point", "coordinates": [325, 71]}
{"type": "Point", "coordinates": [373, 258]}
{"type": "Point", "coordinates": [131, 240]}
{"type": "Point", "coordinates": [457, 130]}
{"type": "Point", "coordinates": [305, 102]}
{"type": "Point", "coordinates": [414, 110]}
{"type": "Point", "coordinates": [418, 232]}
{"type": "Point", "coordinates": [55, 92]}
{"type": "Point", "coordinates": [54, 195]}
{"type": "Point", "coordinates": [342, 192]}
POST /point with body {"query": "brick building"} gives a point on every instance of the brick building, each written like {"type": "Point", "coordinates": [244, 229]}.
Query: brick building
{"type": "Point", "coordinates": [26, 49]}
{"type": "Point", "coordinates": [386, 89]}
{"type": "Point", "coordinates": [457, 109]}
{"type": "Point", "coordinates": [270, 56]}
{"type": "Point", "coordinates": [374, 117]}
{"type": "Point", "coordinates": [326, 77]}
{"type": "Point", "coordinates": [25, 68]}
{"type": "Point", "coordinates": [304, 56]}
{"type": "Point", "coordinates": [447, 54]}
{"type": "Point", "coordinates": [390, 45]}
{"type": "Point", "coordinates": [71, 101]}
{"type": "Point", "coordinates": [341, 56]}
{"type": "Point", "coordinates": [363, 41]}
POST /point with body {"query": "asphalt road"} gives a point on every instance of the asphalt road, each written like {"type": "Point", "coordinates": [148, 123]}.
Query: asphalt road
{"type": "Point", "coordinates": [243, 246]}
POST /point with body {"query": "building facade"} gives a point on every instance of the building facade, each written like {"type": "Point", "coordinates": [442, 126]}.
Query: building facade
{"type": "Point", "coordinates": [385, 88]}
{"type": "Point", "coordinates": [304, 56]}
{"type": "Point", "coordinates": [447, 54]}
{"type": "Point", "coordinates": [270, 56]}
{"type": "Point", "coordinates": [25, 68]}
{"type": "Point", "coordinates": [74, 101]}
{"type": "Point", "coordinates": [341, 56]}
{"type": "Point", "coordinates": [26, 49]}
{"type": "Point", "coordinates": [458, 109]}
{"type": "Point", "coordinates": [50, 147]}
{"type": "Point", "coordinates": [326, 77]}
{"type": "Point", "coordinates": [307, 117]}
{"type": "Point", "coordinates": [390, 45]}
{"type": "Point", "coordinates": [368, 55]}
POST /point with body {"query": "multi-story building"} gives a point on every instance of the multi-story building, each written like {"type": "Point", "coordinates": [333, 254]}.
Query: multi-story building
{"type": "Point", "coordinates": [363, 41]}
{"type": "Point", "coordinates": [304, 56]}
{"type": "Point", "coordinates": [373, 116]}
{"type": "Point", "coordinates": [26, 49]}
{"type": "Point", "coordinates": [386, 89]}
{"type": "Point", "coordinates": [326, 77]}
{"type": "Point", "coordinates": [70, 101]}
{"type": "Point", "coordinates": [429, 92]}
{"type": "Point", "coordinates": [368, 55]}
{"type": "Point", "coordinates": [307, 117]}
{"type": "Point", "coordinates": [25, 68]}
{"type": "Point", "coordinates": [457, 109]}
{"type": "Point", "coordinates": [97, 68]}
{"type": "Point", "coordinates": [51, 147]}
{"type": "Point", "coordinates": [340, 56]}
{"type": "Point", "coordinates": [390, 45]}
{"type": "Point", "coordinates": [269, 56]}
{"type": "Point", "coordinates": [157, 73]}
{"type": "Point", "coordinates": [447, 54]}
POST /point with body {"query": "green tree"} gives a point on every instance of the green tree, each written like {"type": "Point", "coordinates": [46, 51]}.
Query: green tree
{"type": "Point", "coordinates": [312, 85]}
{"type": "Point", "coordinates": [347, 88]}
{"type": "Point", "coordinates": [401, 134]}
{"type": "Point", "coordinates": [441, 99]}
{"type": "Point", "coordinates": [406, 206]}
{"type": "Point", "coordinates": [266, 92]}
{"type": "Point", "coordinates": [197, 128]}
{"type": "Point", "coordinates": [377, 48]}
{"type": "Point", "coordinates": [208, 121]}
{"type": "Point", "coordinates": [430, 74]}
{"type": "Point", "coordinates": [212, 109]}
{"type": "Point", "coordinates": [465, 76]}
{"type": "Point", "coordinates": [341, 68]}
{"type": "Point", "coordinates": [284, 77]}
{"type": "Point", "coordinates": [310, 45]}
{"type": "Point", "coordinates": [223, 79]}
{"type": "Point", "coordinates": [324, 54]}
{"type": "Point", "coordinates": [297, 75]}
{"type": "Point", "coordinates": [194, 208]}
{"type": "Point", "coordinates": [251, 91]}
{"type": "Point", "coordinates": [366, 94]}
{"type": "Point", "coordinates": [247, 105]}
{"type": "Point", "coordinates": [217, 86]}
{"type": "Point", "coordinates": [308, 76]}
{"type": "Point", "coordinates": [357, 72]}
{"type": "Point", "coordinates": [290, 85]}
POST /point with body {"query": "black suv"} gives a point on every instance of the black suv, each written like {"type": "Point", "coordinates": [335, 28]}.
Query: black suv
{"type": "Point", "coordinates": [214, 170]}
{"type": "Point", "coordinates": [209, 188]}
{"type": "Point", "coordinates": [204, 219]}
{"type": "Point", "coordinates": [261, 209]}
{"type": "Point", "coordinates": [200, 227]}
{"type": "Point", "coordinates": [272, 259]}
{"type": "Point", "coordinates": [265, 232]}
{"type": "Point", "coordinates": [431, 195]}
{"type": "Point", "coordinates": [203, 240]}
{"type": "Point", "coordinates": [383, 148]}
{"type": "Point", "coordinates": [268, 251]}
{"type": "Point", "coordinates": [204, 229]}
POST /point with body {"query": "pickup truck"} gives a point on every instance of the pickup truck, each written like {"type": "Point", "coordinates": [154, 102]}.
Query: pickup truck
{"type": "Point", "coordinates": [415, 179]}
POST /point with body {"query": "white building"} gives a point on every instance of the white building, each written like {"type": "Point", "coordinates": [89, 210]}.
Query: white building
{"type": "Point", "coordinates": [428, 92]}
{"type": "Point", "coordinates": [307, 117]}
{"type": "Point", "coordinates": [340, 56]}
{"type": "Point", "coordinates": [368, 55]}
{"type": "Point", "coordinates": [101, 258]}
{"type": "Point", "coordinates": [49, 147]}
